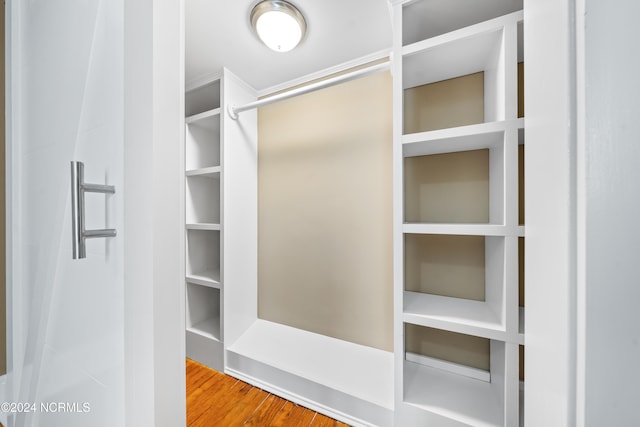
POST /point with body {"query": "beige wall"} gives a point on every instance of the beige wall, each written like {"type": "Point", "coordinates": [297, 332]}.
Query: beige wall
{"type": "Point", "coordinates": [325, 212]}
{"type": "Point", "coordinates": [459, 182]}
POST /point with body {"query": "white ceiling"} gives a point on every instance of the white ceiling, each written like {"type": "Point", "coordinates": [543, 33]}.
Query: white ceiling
{"type": "Point", "coordinates": [218, 34]}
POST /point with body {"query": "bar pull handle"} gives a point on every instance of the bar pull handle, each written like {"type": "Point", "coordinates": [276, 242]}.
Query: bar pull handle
{"type": "Point", "coordinates": [78, 189]}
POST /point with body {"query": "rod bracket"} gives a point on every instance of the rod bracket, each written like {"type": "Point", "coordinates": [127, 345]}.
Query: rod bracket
{"type": "Point", "coordinates": [232, 112]}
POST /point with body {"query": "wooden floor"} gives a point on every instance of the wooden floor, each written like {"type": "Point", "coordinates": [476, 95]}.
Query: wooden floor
{"type": "Point", "coordinates": [218, 400]}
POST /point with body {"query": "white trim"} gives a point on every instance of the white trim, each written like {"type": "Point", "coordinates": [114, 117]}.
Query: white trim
{"type": "Point", "coordinates": [376, 56]}
{"type": "Point", "coordinates": [445, 365]}
{"type": "Point", "coordinates": [13, 77]}
{"type": "Point", "coordinates": [581, 197]}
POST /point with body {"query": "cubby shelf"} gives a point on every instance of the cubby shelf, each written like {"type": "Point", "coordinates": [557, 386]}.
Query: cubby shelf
{"type": "Point", "coordinates": [207, 328]}
{"type": "Point", "coordinates": [428, 19]}
{"type": "Point", "coordinates": [467, 400]}
{"type": "Point", "coordinates": [203, 132]}
{"type": "Point", "coordinates": [203, 98]}
{"type": "Point", "coordinates": [463, 52]}
{"type": "Point", "coordinates": [203, 311]}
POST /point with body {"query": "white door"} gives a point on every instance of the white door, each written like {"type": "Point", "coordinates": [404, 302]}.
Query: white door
{"type": "Point", "coordinates": [66, 355]}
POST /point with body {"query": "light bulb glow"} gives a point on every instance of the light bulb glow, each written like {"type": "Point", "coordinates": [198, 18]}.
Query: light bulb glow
{"type": "Point", "coordinates": [278, 24]}
{"type": "Point", "coordinates": [279, 31]}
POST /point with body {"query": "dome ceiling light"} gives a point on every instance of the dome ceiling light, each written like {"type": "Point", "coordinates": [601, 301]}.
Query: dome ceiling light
{"type": "Point", "coordinates": [279, 24]}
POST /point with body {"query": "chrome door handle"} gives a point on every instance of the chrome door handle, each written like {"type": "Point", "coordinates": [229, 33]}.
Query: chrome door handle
{"type": "Point", "coordinates": [78, 231]}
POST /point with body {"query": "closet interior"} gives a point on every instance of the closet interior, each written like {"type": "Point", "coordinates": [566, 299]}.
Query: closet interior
{"type": "Point", "coordinates": [456, 235]}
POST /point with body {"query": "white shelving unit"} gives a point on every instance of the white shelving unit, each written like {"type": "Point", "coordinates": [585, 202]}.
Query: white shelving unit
{"type": "Point", "coordinates": [468, 38]}
{"type": "Point", "coordinates": [203, 228]}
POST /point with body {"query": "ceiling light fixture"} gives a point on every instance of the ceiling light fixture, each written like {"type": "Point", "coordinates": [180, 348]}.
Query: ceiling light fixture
{"type": "Point", "coordinates": [279, 24]}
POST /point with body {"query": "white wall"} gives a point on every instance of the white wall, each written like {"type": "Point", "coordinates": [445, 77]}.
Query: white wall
{"type": "Point", "coordinates": [609, 206]}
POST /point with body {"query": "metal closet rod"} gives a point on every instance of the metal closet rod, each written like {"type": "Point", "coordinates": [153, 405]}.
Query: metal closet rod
{"type": "Point", "coordinates": [233, 111]}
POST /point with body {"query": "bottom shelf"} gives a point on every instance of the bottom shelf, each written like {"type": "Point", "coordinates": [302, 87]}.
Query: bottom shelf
{"type": "Point", "coordinates": [350, 382]}
{"type": "Point", "coordinates": [457, 397]}
{"type": "Point", "coordinates": [203, 311]}
{"type": "Point", "coordinates": [208, 328]}
{"type": "Point", "coordinates": [355, 369]}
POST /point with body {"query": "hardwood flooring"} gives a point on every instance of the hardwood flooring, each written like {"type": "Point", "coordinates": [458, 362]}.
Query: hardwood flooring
{"type": "Point", "coordinates": [218, 400]}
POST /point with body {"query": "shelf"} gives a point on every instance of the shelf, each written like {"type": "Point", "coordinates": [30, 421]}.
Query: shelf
{"type": "Point", "coordinates": [463, 229]}
{"type": "Point", "coordinates": [454, 187]}
{"type": "Point", "coordinates": [455, 283]}
{"type": "Point", "coordinates": [202, 199]}
{"type": "Point", "coordinates": [462, 138]}
{"type": "Point", "coordinates": [453, 314]}
{"type": "Point", "coordinates": [356, 370]}
{"type": "Point", "coordinates": [209, 278]}
{"type": "Point", "coordinates": [208, 328]}
{"type": "Point", "coordinates": [427, 19]}
{"type": "Point", "coordinates": [457, 397]}
{"type": "Point", "coordinates": [202, 98]}
{"type": "Point", "coordinates": [210, 172]}
{"type": "Point", "coordinates": [202, 141]}
{"type": "Point", "coordinates": [203, 311]}
{"type": "Point", "coordinates": [202, 116]}
{"type": "Point", "coordinates": [460, 55]}
{"type": "Point", "coordinates": [203, 255]}
{"type": "Point", "coordinates": [456, 54]}
{"type": "Point", "coordinates": [203, 226]}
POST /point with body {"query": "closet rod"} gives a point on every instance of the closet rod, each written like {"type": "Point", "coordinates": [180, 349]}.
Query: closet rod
{"type": "Point", "coordinates": [233, 111]}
